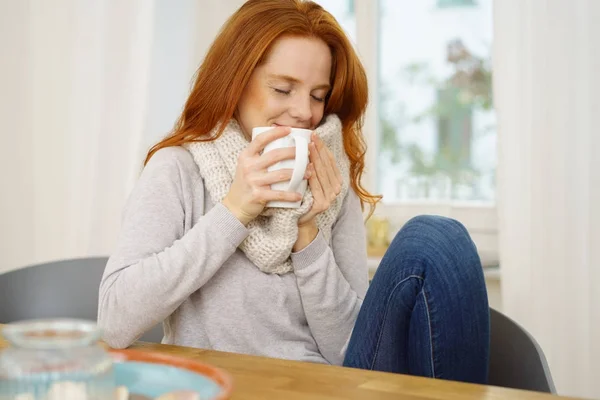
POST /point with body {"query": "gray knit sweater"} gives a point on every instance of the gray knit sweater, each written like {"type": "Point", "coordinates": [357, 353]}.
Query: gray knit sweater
{"type": "Point", "coordinates": [177, 261]}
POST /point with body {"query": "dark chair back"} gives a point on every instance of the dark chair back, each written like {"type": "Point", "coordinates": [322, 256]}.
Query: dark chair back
{"type": "Point", "coordinates": [516, 359]}
{"type": "Point", "coordinates": [61, 289]}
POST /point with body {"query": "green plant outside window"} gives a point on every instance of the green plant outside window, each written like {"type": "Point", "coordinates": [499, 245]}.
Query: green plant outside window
{"type": "Point", "coordinates": [455, 3]}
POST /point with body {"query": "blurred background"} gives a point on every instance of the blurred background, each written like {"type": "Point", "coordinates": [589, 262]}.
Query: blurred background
{"type": "Point", "coordinates": [480, 110]}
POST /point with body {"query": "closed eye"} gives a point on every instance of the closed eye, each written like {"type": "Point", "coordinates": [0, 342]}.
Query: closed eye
{"type": "Point", "coordinates": [287, 92]}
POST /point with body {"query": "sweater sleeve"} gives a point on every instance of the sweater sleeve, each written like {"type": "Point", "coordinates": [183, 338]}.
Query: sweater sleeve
{"type": "Point", "coordinates": [333, 280]}
{"type": "Point", "coordinates": [156, 266]}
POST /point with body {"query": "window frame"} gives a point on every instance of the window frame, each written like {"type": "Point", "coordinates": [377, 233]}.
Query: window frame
{"type": "Point", "coordinates": [480, 218]}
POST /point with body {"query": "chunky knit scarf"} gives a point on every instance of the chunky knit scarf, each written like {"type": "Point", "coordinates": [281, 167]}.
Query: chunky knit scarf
{"type": "Point", "coordinates": [273, 233]}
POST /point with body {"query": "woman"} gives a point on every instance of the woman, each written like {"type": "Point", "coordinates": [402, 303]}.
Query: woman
{"type": "Point", "coordinates": [198, 249]}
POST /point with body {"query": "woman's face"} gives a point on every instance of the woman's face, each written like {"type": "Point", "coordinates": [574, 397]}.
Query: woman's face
{"type": "Point", "coordinates": [289, 88]}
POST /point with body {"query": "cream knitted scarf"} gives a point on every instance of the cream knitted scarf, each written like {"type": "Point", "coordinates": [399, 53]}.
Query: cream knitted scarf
{"type": "Point", "coordinates": [273, 233]}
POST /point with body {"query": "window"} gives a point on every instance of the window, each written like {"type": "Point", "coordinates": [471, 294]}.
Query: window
{"type": "Point", "coordinates": [435, 113]}
{"type": "Point", "coordinates": [431, 123]}
{"type": "Point", "coordinates": [343, 11]}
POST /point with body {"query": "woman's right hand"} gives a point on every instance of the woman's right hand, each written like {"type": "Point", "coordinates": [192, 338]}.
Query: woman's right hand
{"type": "Point", "coordinates": [251, 187]}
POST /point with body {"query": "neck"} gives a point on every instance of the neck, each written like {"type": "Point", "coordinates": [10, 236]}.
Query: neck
{"type": "Point", "coordinates": [247, 135]}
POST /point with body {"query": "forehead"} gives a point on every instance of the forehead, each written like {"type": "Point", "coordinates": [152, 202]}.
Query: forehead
{"type": "Point", "coordinates": [306, 59]}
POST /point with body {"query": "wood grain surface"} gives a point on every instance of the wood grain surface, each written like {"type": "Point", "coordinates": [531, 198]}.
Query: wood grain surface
{"type": "Point", "coordinates": [260, 378]}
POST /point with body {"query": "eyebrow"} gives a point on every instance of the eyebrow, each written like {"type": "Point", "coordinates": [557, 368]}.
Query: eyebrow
{"type": "Point", "coordinates": [295, 80]}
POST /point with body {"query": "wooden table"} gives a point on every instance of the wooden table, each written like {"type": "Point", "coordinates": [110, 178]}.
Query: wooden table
{"type": "Point", "coordinates": [259, 378]}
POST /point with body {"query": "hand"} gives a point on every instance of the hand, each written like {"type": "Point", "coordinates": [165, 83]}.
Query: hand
{"type": "Point", "coordinates": [325, 183]}
{"type": "Point", "coordinates": [325, 180]}
{"type": "Point", "coordinates": [251, 187]}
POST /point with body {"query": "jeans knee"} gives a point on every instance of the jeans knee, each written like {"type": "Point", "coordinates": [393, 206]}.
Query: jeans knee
{"type": "Point", "coordinates": [432, 224]}
{"type": "Point", "coordinates": [434, 232]}
{"type": "Point", "coordinates": [441, 252]}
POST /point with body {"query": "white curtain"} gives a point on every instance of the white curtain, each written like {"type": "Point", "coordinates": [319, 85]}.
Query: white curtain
{"type": "Point", "coordinates": [546, 66]}
{"type": "Point", "coordinates": [73, 107]}
{"type": "Point", "coordinates": [87, 87]}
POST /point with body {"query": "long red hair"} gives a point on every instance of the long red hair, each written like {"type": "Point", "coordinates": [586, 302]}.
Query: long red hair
{"type": "Point", "coordinates": [242, 44]}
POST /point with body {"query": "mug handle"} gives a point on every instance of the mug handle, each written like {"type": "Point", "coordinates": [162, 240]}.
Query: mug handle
{"type": "Point", "coordinates": [300, 163]}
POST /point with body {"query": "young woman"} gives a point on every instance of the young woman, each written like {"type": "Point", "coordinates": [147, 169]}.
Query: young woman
{"type": "Point", "coordinates": [200, 252]}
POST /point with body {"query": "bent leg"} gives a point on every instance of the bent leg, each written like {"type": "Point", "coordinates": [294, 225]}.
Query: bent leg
{"type": "Point", "coordinates": [426, 311]}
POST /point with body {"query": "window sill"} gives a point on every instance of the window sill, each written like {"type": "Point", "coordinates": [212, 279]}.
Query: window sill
{"type": "Point", "coordinates": [480, 219]}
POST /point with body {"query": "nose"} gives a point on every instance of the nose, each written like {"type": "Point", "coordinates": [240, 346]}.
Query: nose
{"type": "Point", "coordinates": [300, 108]}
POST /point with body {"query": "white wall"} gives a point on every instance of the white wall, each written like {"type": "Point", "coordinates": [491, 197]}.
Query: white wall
{"type": "Point", "coordinates": [183, 32]}
{"type": "Point", "coordinates": [546, 63]}
{"type": "Point", "coordinates": [16, 166]}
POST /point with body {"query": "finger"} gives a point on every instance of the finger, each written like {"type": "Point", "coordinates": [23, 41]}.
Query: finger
{"type": "Point", "coordinates": [281, 175]}
{"type": "Point", "coordinates": [338, 174]}
{"type": "Point", "coordinates": [315, 186]}
{"type": "Point", "coordinates": [274, 156]}
{"type": "Point", "coordinates": [259, 142]}
{"type": "Point", "coordinates": [320, 169]}
{"type": "Point", "coordinates": [329, 167]}
{"type": "Point", "coordinates": [279, 195]}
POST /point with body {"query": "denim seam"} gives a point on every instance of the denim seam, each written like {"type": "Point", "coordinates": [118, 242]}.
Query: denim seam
{"type": "Point", "coordinates": [385, 316]}
{"type": "Point", "coordinates": [430, 333]}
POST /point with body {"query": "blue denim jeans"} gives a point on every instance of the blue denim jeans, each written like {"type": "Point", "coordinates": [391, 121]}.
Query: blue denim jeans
{"type": "Point", "coordinates": [426, 311]}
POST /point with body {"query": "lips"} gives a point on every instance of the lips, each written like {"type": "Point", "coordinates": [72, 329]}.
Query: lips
{"type": "Point", "coordinates": [291, 126]}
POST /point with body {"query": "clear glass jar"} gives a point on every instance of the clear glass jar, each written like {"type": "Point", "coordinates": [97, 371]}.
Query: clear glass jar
{"type": "Point", "coordinates": [55, 360]}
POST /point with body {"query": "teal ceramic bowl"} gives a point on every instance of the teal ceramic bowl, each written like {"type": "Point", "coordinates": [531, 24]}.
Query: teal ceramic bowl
{"type": "Point", "coordinates": [154, 374]}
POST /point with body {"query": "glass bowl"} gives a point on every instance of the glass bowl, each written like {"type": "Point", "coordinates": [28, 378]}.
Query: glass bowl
{"type": "Point", "coordinates": [55, 359]}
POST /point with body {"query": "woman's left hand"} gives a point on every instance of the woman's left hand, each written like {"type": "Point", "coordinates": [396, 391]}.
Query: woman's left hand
{"type": "Point", "coordinates": [325, 183]}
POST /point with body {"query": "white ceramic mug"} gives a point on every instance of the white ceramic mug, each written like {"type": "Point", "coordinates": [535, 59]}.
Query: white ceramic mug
{"type": "Point", "coordinates": [298, 138]}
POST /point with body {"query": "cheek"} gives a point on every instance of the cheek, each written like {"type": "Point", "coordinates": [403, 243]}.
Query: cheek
{"type": "Point", "coordinates": [274, 106]}
{"type": "Point", "coordinates": [255, 101]}
{"type": "Point", "coordinates": [317, 114]}
{"type": "Point", "coordinates": [250, 108]}
{"type": "Point", "coordinates": [260, 105]}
